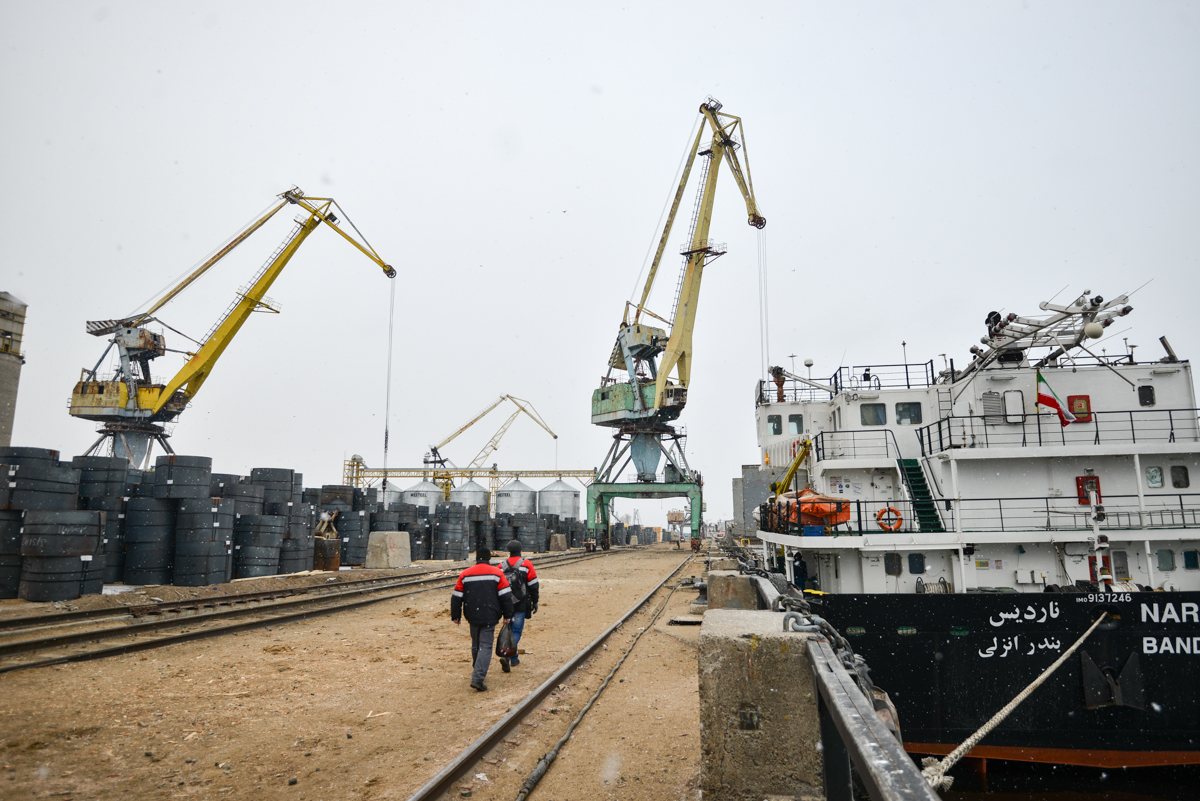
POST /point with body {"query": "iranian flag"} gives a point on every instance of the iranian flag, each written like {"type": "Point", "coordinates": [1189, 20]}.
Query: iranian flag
{"type": "Point", "coordinates": [1046, 397]}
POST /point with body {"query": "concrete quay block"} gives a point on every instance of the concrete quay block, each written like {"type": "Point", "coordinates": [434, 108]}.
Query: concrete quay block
{"type": "Point", "coordinates": [759, 730]}
{"type": "Point", "coordinates": [723, 564]}
{"type": "Point", "coordinates": [388, 549]}
{"type": "Point", "coordinates": [558, 542]}
{"type": "Point", "coordinates": [728, 589]}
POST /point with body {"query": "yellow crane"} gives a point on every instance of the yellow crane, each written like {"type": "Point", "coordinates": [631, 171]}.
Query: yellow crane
{"type": "Point", "coordinates": [443, 477]}
{"type": "Point", "coordinates": [130, 406]}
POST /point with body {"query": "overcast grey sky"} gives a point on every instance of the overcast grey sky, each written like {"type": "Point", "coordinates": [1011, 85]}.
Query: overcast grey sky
{"type": "Point", "coordinates": [918, 165]}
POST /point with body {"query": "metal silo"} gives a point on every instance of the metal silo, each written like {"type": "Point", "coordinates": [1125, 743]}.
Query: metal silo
{"type": "Point", "coordinates": [470, 494]}
{"type": "Point", "coordinates": [425, 495]}
{"type": "Point", "coordinates": [559, 499]}
{"type": "Point", "coordinates": [516, 498]}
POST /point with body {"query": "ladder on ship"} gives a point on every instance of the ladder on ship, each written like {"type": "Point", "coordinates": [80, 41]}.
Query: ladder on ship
{"type": "Point", "coordinates": [922, 499]}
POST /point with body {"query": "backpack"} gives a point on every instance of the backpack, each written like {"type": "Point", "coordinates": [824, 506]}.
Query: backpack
{"type": "Point", "coordinates": [516, 580]}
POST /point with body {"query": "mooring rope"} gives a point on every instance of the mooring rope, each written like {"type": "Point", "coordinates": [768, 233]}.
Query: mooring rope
{"type": "Point", "coordinates": [935, 771]}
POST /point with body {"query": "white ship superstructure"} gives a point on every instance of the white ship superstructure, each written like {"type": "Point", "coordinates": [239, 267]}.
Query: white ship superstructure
{"type": "Point", "coordinates": [985, 489]}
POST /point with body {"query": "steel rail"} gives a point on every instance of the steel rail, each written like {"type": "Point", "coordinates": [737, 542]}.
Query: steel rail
{"type": "Point", "coordinates": [474, 752]}
{"type": "Point", "coordinates": [266, 618]}
{"type": "Point", "coordinates": [141, 610]}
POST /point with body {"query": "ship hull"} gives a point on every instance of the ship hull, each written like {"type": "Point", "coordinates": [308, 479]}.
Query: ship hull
{"type": "Point", "coordinates": [1128, 697]}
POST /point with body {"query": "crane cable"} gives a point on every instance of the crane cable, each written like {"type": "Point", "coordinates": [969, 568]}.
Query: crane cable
{"type": "Point", "coordinates": [387, 404]}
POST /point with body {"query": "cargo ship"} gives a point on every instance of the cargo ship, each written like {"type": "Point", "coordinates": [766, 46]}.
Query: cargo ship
{"type": "Point", "coordinates": [964, 526]}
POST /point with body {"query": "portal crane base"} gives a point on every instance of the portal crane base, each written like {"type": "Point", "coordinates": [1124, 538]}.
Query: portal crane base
{"type": "Point", "coordinates": [599, 495]}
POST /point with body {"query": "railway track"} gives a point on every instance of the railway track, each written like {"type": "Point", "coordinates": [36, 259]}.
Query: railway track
{"type": "Point", "coordinates": [79, 635]}
{"type": "Point", "coordinates": [469, 757]}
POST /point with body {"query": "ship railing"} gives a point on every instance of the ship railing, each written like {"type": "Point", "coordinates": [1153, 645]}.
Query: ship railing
{"type": "Point", "coordinates": [878, 443]}
{"type": "Point", "coordinates": [1003, 430]}
{"type": "Point", "coordinates": [862, 517]}
{"type": "Point", "coordinates": [1067, 513]}
{"type": "Point", "coordinates": [857, 378]}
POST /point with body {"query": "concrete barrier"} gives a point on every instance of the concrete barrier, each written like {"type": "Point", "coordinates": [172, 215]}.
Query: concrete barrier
{"type": "Point", "coordinates": [759, 730]}
{"type": "Point", "coordinates": [388, 549]}
{"type": "Point", "coordinates": [728, 589]}
{"type": "Point", "coordinates": [723, 564]}
{"type": "Point", "coordinates": [558, 542]}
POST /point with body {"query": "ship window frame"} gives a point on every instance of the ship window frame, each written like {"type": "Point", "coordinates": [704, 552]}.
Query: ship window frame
{"type": "Point", "coordinates": [798, 419]}
{"type": "Point", "coordinates": [1146, 395]}
{"type": "Point", "coordinates": [1166, 564]}
{"type": "Point", "coordinates": [1191, 560]}
{"type": "Point", "coordinates": [893, 564]}
{"type": "Point", "coordinates": [774, 424]}
{"type": "Point", "coordinates": [879, 419]}
{"type": "Point", "coordinates": [916, 564]}
{"type": "Point", "coordinates": [1179, 476]}
{"type": "Point", "coordinates": [1154, 477]}
{"type": "Point", "coordinates": [1120, 566]}
{"type": "Point", "coordinates": [913, 419]}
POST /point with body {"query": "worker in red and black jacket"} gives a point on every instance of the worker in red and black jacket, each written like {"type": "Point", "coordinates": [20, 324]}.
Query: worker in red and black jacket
{"type": "Point", "coordinates": [481, 594]}
{"type": "Point", "coordinates": [524, 583]}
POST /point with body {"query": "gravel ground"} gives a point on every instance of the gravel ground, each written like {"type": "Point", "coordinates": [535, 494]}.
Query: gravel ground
{"type": "Point", "coordinates": [369, 704]}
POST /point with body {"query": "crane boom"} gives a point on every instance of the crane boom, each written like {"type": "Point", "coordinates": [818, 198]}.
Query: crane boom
{"type": "Point", "coordinates": [131, 405]}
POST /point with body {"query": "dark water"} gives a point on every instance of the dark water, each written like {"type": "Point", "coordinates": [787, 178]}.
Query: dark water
{"type": "Point", "coordinates": [1014, 781]}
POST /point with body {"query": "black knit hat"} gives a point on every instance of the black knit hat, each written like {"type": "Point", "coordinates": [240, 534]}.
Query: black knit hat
{"type": "Point", "coordinates": [483, 555]}
{"type": "Point", "coordinates": [514, 547]}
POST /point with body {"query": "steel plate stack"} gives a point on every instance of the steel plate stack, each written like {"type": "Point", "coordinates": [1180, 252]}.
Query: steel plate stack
{"type": "Point", "coordinates": [451, 534]}
{"type": "Point", "coordinates": [257, 540]}
{"type": "Point", "coordinates": [296, 550]}
{"type": "Point", "coordinates": [203, 537]}
{"type": "Point", "coordinates": [62, 555]}
{"type": "Point", "coordinates": [420, 540]}
{"type": "Point", "coordinates": [114, 536]}
{"type": "Point", "coordinates": [312, 496]}
{"type": "Point", "coordinates": [145, 487]}
{"type": "Point", "coordinates": [10, 554]}
{"type": "Point", "coordinates": [178, 477]}
{"type": "Point", "coordinates": [149, 540]}
{"type": "Point", "coordinates": [276, 483]}
{"type": "Point", "coordinates": [222, 480]}
{"type": "Point", "coordinates": [102, 476]}
{"type": "Point", "coordinates": [298, 489]}
{"type": "Point", "coordinates": [355, 529]}
{"type": "Point", "coordinates": [34, 486]}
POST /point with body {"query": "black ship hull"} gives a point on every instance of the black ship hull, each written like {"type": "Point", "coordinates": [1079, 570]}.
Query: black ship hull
{"type": "Point", "coordinates": [1129, 697]}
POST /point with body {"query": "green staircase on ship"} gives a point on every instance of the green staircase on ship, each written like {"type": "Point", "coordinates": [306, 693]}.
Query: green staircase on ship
{"type": "Point", "coordinates": [922, 500]}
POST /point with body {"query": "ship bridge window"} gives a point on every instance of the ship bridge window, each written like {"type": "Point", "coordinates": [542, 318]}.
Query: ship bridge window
{"type": "Point", "coordinates": [1191, 560]}
{"type": "Point", "coordinates": [873, 414]}
{"type": "Point", "coordinates": [774, 424]}
{"type": "Point", "coordinates": [893, 565]}
{"type": "Point", "coordinates": [1166, 559]}
{"type": "Point", "coordinates": [1154, 477]}
{"type": "Point", "coordinates": [1146, 395]}
{"type": "Point", "coordinates": [908, 414]}
{"type": "Point", "coordinates": [916, 563]}
{"type": "Point", "coordinates": [795, 423]}
{"type": "Point", "coordinates": [1179, 476]}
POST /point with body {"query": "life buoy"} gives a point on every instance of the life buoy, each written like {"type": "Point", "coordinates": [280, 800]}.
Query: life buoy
{"type": "Point", "coordinates": [889, 513]}
{"type": "Point", "coordinates": [794, 449]}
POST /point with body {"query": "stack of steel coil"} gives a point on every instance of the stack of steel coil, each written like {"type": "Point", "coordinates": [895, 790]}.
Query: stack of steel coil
{"type": "Point", "coordinates": [296, 550]}
{"type": "Point", "coordinates": [62, 556]}
{"type": "Point", "coordinates": [356, 531]}
{"type": "Point", "coordinates": [203, 538]}
{"type": "Point", "coordinates": [257, 540]}
{"type": "Point", "coordinates": [178, 477]}
{"type": "Point", "coordinates": [451, 537]}
{"type": "Point", "coordinates": [114, 535]}
{"type": "Point", "coordinates": [149, 541]}
{"type": "Point", "coordinates": [276, 483]}
{"type": "Point", "coordinates": [31, 485]}
{"type": "Point", "coordinates": [10, 553]}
